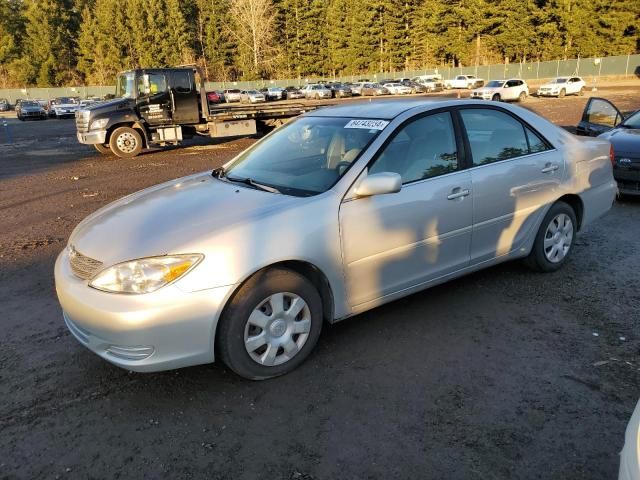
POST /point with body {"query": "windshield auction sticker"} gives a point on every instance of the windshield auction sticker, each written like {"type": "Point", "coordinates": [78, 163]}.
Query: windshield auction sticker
{"type": "Point", "coordinates": [367, 124]}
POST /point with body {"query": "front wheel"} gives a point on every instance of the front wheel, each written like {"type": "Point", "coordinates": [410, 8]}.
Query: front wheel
{"type": "Point", "coordinates": [496, 97]}
{"type": "Point", "coordinates": [562, 93]}
{"type": "Point", "coordinates": [271, 325]}
{"type": "Point", "coordinates": [554, 239]}
{"type": "Point", "coordinates": [125, 142]}
{"type": "Point", "coordinates": [103, 149]}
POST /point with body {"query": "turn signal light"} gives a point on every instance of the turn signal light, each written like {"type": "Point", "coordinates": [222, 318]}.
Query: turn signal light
{"type": "Point", "coordinates": [612, 155]}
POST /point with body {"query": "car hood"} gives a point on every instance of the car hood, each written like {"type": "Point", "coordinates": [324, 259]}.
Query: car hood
{"type": "Point", "coordinates": [552, 85]}
{"type": "Point", "coordinates": [172, 217]}
{"type": "Point", "coordinates": [31, 109]}
{"type": "Point", "coordinates": [487, 89]}
{"type": "Point", "coordinates": [624, 140]}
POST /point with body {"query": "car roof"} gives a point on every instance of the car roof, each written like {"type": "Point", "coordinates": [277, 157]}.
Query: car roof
{"type": "Point", "coordinates": [384, 109]}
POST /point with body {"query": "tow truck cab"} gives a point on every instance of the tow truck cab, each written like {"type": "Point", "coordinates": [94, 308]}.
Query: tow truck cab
{"type": "Point", "coordinates": [154, 106]}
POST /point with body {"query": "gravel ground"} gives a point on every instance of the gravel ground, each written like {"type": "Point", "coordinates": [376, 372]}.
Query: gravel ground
{"type": "Point", "coordinates": [501, 374]}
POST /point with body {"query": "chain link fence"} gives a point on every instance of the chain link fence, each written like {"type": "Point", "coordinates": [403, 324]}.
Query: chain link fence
{"type": "Point", "coordinates": [590, 68]}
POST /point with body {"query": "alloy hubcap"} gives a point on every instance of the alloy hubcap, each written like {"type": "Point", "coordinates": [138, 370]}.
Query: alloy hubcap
{"type": "Point", "coordinates": [126, 142]}
{"type": "Point", "coordinates": [277, 329]}
{"type": "Point", "coordinates": [558, 238]}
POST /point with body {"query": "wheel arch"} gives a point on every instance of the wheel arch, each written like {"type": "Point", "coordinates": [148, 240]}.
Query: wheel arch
{"type": "Point", "coordinates": [575, 202]}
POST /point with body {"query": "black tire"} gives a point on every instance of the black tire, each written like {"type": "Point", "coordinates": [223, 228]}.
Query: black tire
{"type": "Point", "coordinates": [103, 149]}
{"type": "Point", "coordinates": [128, 150]}
{"type": "Point", "coordinates": [537, 259]}
{"type": "Point", "coordinates": [495, 98]}
{"type": "Point", "coordinates": [581, 92]}
{"type": "Point", "coordinates": [230, 337]}
{"type": "Point", "coordinates": [20, 118]}
{"type": "Point", "coordinates": [562, 93]}
{"type": "Point", "coordinates": [522, 97]}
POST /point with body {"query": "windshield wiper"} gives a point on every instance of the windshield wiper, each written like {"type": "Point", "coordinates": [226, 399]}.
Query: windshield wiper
{"type": "Point", "coordinates": [254, 184]}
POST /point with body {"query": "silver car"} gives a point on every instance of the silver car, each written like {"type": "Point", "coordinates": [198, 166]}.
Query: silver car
{"type": "Point", "coordinates": [339, 211]}
{"type": "Point", "coordinates": [252, 96]}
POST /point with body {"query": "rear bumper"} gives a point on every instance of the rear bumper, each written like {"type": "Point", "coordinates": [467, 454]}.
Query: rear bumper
{"type": "Point", "coordinates": [163, 330]}
{"type": "Point", "coordinates": [628, 181]}
{"type": "Point", "coordinates": [92, 138]}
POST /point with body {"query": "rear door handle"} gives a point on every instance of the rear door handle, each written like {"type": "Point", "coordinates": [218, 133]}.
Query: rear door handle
{"type": "Point", "coordinates": [457, 193]}
{"type": "Point", "coordinates": [550, 167]}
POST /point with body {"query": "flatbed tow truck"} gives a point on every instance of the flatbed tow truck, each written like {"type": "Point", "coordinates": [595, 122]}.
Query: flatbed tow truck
{"type": "Point", "coordinates": [155, 107]}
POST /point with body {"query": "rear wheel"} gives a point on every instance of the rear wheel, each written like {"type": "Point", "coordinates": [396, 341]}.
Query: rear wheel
{"type": "Point", "coordinates": [125, 142]}
{"type": "Point", "coordinates": [581, 91]}
{"type": "Point", "coordinates": [103, 149]}
{"type": "Point", "coordinates": [271, 325]}
{"type": "Point", "coordinates": [562, 93]}
{"type": "Point", "coordinates": [522, 97]}
{"type": "Point", "coordinates": [554, 239]}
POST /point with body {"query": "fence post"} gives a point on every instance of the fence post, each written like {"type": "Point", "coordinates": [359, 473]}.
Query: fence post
{"type": "Point", "coordinates": [538, 71]}
{"type": "Point", "coordinates": [558, 68]}
{"type": "Point", "coordinates": [626, 69]}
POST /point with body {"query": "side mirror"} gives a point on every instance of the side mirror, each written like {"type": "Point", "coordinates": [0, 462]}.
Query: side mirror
{"type": "Point", "coordinates": [379, 184]}
{"type": "Point", "coordinates": [146, 86]}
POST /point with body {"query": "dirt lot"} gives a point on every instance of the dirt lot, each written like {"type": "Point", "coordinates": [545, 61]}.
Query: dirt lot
{"type": "Point", "coordinates": [502, 374]}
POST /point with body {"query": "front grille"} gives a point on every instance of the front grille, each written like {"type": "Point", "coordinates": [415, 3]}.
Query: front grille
{"type": "Point", "coordinates": [82, 266]}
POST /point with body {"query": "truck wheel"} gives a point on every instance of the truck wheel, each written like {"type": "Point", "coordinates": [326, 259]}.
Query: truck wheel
{"type": "Point", "coordinates": [103, 149]}
{"type": "Point", "coordinates": [562, 93]}
{"type": "Point", "coordinates": [125, 142]}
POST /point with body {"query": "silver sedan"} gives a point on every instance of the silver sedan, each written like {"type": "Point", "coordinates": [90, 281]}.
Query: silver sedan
{"type": "Point", "coordinates": [339, 211]}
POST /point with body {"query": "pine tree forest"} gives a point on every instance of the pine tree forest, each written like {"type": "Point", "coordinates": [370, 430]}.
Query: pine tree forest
{"type": "Point", "coordinates": [87, 42]}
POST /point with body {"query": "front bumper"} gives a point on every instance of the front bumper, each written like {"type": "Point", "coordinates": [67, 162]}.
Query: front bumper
{"type": "Point", "coordinates": [93, 137]}
{"type": "Point", "coordinates": [163, 330]}
{"type": "Point", "coordinates": [548, 93]}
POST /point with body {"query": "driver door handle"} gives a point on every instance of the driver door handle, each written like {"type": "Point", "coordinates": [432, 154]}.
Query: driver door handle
{"type": "Point", "coordinates": [549, 167]}
{"type": "Point", "coordinates": [457, 193]}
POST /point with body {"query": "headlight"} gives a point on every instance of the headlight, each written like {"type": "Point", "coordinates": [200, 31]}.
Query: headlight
{"type": "Point", "coordinates": [99, 124]}
{"type": "Point", "coordinates": [145, 275]}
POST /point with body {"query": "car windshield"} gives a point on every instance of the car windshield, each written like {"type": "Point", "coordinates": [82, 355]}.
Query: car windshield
{"type": "Point", "coordinates": [633, 121]}
{"type": "Point", "coordinates": [62, 100]}
{"type": "Point", "coordinates": [495, 84]}
{"type": "Point", "coordinates": [307, 156]}
{"type": "Point", "coordinates": [29, 104]}
{"type": "Point", "coordinates": [125, 85]}
{"type": "Point", "coordinates": [559, 80]}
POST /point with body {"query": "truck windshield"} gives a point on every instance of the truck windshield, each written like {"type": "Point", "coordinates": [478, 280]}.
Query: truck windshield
{"type": "Point", "coordinates": [125, 85]}
{"type": "Point", "coordinates": [307, 156]}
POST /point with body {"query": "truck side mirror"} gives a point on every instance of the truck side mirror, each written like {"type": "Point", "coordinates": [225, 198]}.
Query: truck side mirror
{"type": "Point", "coordinates": [146, 86]}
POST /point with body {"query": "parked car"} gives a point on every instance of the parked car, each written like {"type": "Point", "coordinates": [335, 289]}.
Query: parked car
{"type": "Point", "coordinates": [414, 86]}
{"type": "Point", "coordinates": [63, 107]}
{"type": "Point", "coordinates": [432, 84]}
{"type": "Point", "coordinates": [215, 97]}
{"type": "Point", "coordinates": [502, 90]}
{"type": "Point", "coordinates": [30, 110]}
{"type": "Point", "coordinates": [340, 90]}
{"type": "Point", "coordinates": [275, 93]}
{"type": "Point", "coordinates": [4, 105]}
{"type": "Point", "coordinates": [252, 96]}
{"type": "Point", "coordinates": [464, 81]}
{"type": "Point", "coordinates": [602, 118]}
{"type": "Point", "coordinates": [561, 86]}
{"type": "Point", "coordinates": [374, 89]}
{"type": "Point", "coordinates": [397, 88]}
{"type": "Point", "coordinates": [630, 455]}
{"type": "Point", "coordinates": [292, 93]}
{"type": "Point", "coordinates": [231, 95]}
{"type": "Point", "coordinates": [356, 88]}
{"type": "Point", "coordinates": [317, 91]}
{"type": "Point", "coordinates": [321, 220]}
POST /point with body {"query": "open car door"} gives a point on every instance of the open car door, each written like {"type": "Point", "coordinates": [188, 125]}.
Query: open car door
{"type": "Point", "coordinates": [599, 116]}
